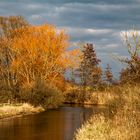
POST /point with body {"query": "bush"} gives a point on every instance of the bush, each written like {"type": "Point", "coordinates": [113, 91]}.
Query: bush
{"type": "Point", "coordinates": [73, 95]}
{"type": "Point", "coordinates": [90, 96]}
{"type": "Point", "coordinates": [40, 93]}
{"type": "Point", "coordinates": [36, 93]}
{"type": "Point", "coordinates": [5, 96]}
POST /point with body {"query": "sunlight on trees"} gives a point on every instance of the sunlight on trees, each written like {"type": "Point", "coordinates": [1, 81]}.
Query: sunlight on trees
{"type": "Point", "coordinates": [39, 52]}
{"type": "Point", "coordinates": [31, 53]}
{"type": "Point", "coordinates": [132, 71]}
{"type": "Point", "coordinates": [89, 69]}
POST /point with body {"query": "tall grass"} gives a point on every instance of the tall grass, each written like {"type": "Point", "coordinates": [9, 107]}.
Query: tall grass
{"type": "Point", "coordinates": [9, 110]}
{"type": "Point", "coordinates": [95, 97]}
{"type": "Point", "coordinates": [120, 122]}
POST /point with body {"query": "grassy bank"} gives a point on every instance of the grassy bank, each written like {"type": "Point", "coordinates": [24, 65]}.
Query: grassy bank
{"type": "Point", "coordinates": [38, 93]}
{"type": "Point", "coordinates": [36, 97]}
{"type": "Point", "coordinates": [11, 110]}
{"type": "Point", "coordinates": [121, 122]}
{"type": "Point", "coordinates": [89, 96]}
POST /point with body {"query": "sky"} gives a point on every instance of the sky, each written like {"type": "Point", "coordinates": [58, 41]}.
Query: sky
{"type": "Point", "coordinates": [100, 22]}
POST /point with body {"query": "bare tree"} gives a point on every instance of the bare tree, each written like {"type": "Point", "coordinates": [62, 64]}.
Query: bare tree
{"type": "Point", "coordinates": [132, 71]}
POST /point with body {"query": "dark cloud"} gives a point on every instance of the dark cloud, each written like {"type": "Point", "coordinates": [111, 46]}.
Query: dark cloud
{"type": "Point", "coordinates": [98, 21]}
{"type": "Point", "coordinates": [78, 1]}
{"type": "Point", "coordinates": [81, 13]}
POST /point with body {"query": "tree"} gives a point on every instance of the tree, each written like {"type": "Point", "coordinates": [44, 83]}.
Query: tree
{"type": "Point", "coordinates": [28, 52]}
{"type": "Point", "coordinates": [90, 72]}
{"type": "Point", "coordinates": [108, 74]}
{"type": "Point", "coordinates": [132, 72]}
{"type": "Point", "coordinates": [7, 26]}
{"type": "Point", "coordinates": [39, 51]}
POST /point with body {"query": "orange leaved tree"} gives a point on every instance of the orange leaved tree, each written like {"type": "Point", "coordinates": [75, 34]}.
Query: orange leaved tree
{"type": "Point", "coordinates": [38, 51]}
{"type": "Point", "coordinates": [7, 26]}
{"type": "Point", "coordinates": [29, 54]}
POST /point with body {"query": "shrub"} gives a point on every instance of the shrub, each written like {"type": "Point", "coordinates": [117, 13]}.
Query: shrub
{"type": "Point", "coordinates": [40, 93]}
{"type": "Point", "coordinates": [5, 96]}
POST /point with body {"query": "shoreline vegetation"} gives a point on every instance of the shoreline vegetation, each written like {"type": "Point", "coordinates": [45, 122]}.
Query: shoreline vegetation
{"type": "Point", "coordinates": [122, 120]}
{"type": "Point", "coordinates": [75, 95]}
{"type": "Point", "coordinates": [15, 110]}
{"type": "Point", "coordinates": [35, 61]}
{"type": "Point", "coordinates": [31, 66]}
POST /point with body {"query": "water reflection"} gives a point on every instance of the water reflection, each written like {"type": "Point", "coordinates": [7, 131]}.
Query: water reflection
{"type": "Point", "coordinates": [57, 124]}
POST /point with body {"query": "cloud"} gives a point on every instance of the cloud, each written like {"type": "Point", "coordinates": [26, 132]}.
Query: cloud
{"type": "Point", "coordinates": [77, 14]}
{"type": "Point", "coordinates": [97, 21]}
{"type": "Point", "coordinates": [88, 33]}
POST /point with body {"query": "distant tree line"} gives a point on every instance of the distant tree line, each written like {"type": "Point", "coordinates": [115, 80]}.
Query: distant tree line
{"type": "Point", "coordinates": [91, 74]}
{"type": "Point", "coordinates": [34, 59]}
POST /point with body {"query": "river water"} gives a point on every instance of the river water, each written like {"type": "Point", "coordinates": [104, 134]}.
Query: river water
{"type": "Point", "coordinates": [54, 124]}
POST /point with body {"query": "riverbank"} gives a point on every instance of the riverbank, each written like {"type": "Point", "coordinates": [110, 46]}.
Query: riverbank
{"type": "Point", "coordinates": [13, 110]}
{"type": "Point", "coordinates": [76, 95]}
{"type": "Point", "coordinates": [122, 120]}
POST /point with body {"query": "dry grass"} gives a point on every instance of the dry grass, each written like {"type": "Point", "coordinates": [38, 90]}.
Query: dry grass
{"type": "Point", "coordinates": [9, 110]}
{"type": "Point", "coordinates": [122, 122]}
{"type": "Point", "coordinates": [94, 129]}
{"type": "Point", "coordinates": [75, 95]}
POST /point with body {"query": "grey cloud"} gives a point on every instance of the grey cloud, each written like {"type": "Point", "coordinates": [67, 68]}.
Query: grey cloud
{"type": "Point", "coordinates": [97, 21]}
{"type": "Point", "coordinates": [79, 1]}
{"type": "Point", "coordinates": [77, 14]}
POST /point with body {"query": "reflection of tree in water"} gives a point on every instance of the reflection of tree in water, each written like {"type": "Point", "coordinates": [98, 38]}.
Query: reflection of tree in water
{"type": "Point", "coordinates": [85, 114]}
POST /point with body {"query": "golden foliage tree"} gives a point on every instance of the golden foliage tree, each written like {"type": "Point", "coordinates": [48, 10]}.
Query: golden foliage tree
{"type": "Point", "coordinates": [7, 26]}
{"type": "Point", "coordinates": [39, 51]}
{"type": "Point", "coordinates": [132, 72]}
{"type": "Point", "coordinates": [33, 59]}
{"type": "Point", "coordinates": [30, 52]}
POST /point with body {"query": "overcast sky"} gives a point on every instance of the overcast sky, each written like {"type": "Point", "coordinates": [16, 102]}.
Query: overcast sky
{"type": "Point", "coordinates": [96, 21]}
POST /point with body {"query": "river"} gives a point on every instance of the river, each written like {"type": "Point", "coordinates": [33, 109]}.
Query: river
{"type": "Point", "coordinates": [54, 124]}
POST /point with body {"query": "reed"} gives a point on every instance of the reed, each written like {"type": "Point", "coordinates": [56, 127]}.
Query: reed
{"type": "Point", "coordinates": [9, 110]}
